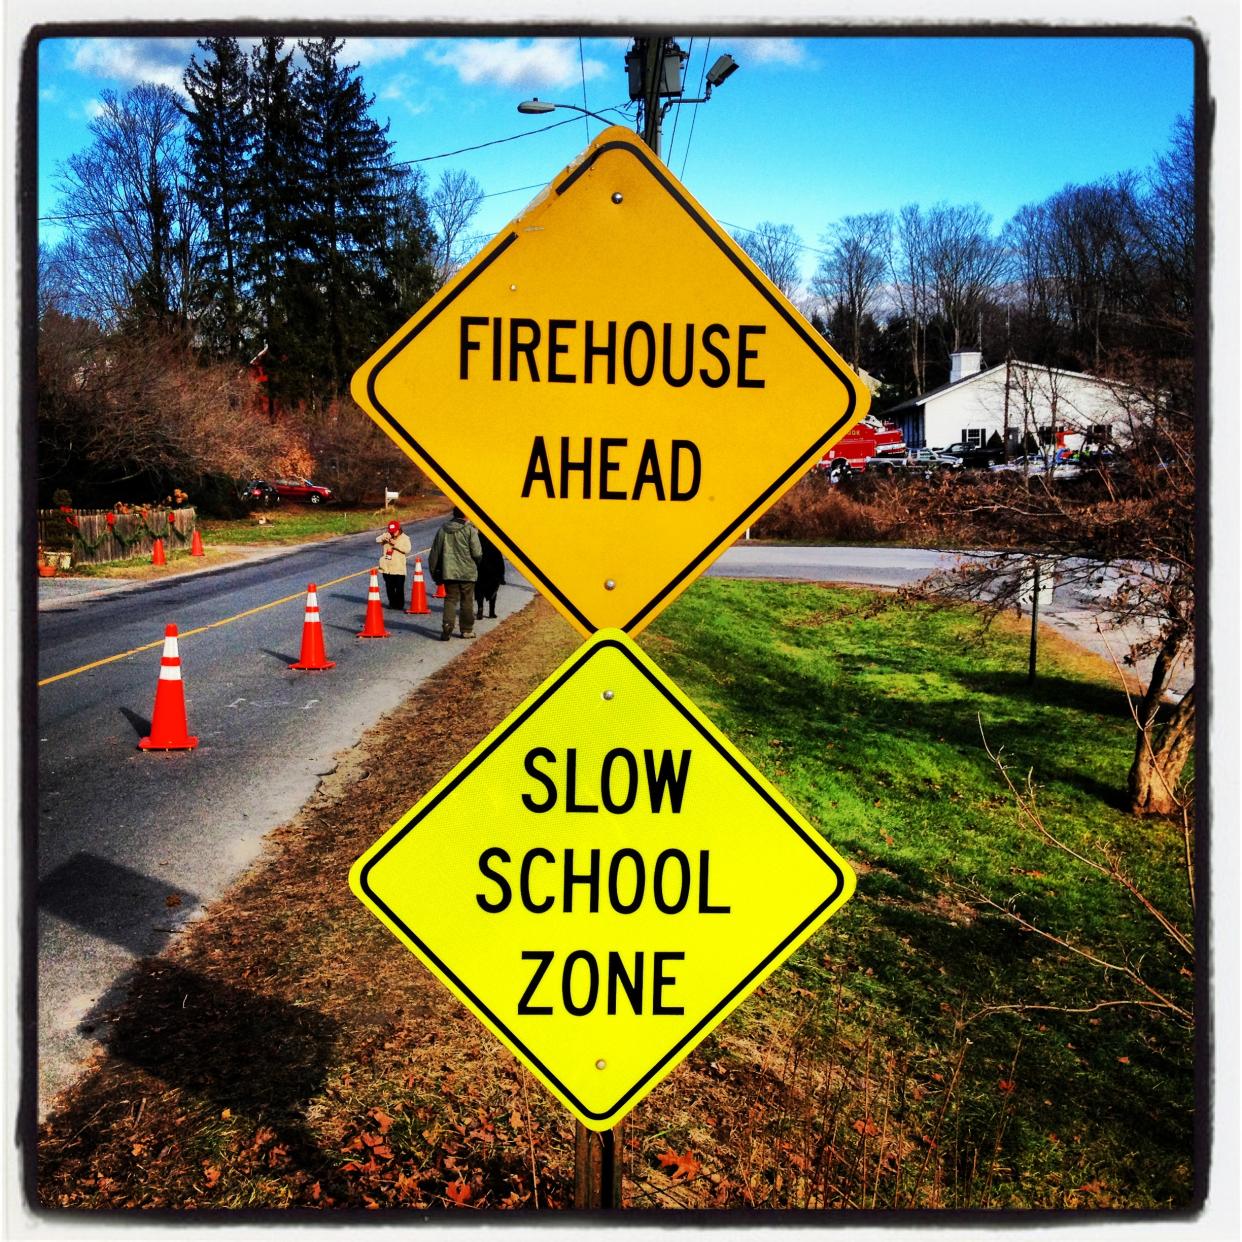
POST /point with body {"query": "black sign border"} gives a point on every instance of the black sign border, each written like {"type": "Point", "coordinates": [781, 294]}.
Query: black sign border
{"type": "Point", "coordinates": [421, 321]}
{"type": "Point", "coordinates": [583, 657]}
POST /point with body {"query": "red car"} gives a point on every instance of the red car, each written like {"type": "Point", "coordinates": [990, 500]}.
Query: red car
{"type": "Point", "coordinates": [302, 490]}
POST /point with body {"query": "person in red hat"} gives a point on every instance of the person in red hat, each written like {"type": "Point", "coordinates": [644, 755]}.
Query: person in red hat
{"type": "Point", "coordinates": [396, 547]}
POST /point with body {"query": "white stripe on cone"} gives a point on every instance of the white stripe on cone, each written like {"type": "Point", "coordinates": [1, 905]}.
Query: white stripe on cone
{"type": "Point", "coordinates": [170, 672]}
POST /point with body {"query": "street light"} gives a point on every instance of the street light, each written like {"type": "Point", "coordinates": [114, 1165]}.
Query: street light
{"type": "Point", "coordinates": [721, 68]}
{"type": "Point", "coordinates": [537, 107]}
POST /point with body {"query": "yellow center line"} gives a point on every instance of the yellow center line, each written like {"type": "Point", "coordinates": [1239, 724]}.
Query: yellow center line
{"type": "Point", "coordinates": [73, 672]}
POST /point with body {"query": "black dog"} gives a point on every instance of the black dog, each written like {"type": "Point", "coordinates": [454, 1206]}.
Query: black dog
{"type": "Point", "coordinates": [491, 576]}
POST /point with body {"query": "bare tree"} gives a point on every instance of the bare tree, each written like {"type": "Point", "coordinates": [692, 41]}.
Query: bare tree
{"type": "Point", "coordinates": [452, 206]}
{"type": "Point", "coordinates": [777, 249]}
{"type": "Point", "coordinates": [911, 285]}
{"type": "Point", "coordinates": [134, 230]}
{"type": "Point", "coordinates": [963, 262]}
{"type": "Point", "coordinates": [1123, 533]}
{"type": "Point", "coordinates": [850, 275]}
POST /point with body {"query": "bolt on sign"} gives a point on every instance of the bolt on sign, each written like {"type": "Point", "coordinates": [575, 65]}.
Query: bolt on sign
{"type": "Point", "coordinates": [612, 388]}
{"type": "Point", "coordinates": [603, 879]}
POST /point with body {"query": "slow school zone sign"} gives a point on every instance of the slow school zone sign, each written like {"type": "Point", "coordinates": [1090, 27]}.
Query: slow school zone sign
{"type": "Point", "coordinates": [612, 388]}
{"type": "Point", "coordinates": [603, 879]}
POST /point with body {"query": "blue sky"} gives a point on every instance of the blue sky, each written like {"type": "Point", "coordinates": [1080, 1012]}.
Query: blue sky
{"type": "Point", "coordinates": [807, 131]}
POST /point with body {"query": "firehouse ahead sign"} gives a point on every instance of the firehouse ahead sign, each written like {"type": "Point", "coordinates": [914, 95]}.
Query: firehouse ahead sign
{"type": "Point", "coordinates": [603, 879]}
{"type": "Point", "coordinates": [612, 388]}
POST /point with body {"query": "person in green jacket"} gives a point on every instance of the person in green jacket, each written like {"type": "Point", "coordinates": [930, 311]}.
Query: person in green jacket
{"type": "Point", "coordinates": [454, 561]}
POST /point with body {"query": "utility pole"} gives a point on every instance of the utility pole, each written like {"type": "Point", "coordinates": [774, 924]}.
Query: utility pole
{"type": "Point", "coordinates": [645, 63]}
{"type": "Point", "coordinates": [654, 66]}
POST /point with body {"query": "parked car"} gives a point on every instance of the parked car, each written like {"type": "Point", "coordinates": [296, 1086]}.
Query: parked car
{"type": "Point", "coordinates": [1032, 463]}
{"type": "Point", "coordinates": [260, 492]}
{"type": "Point", "coordinates": [973, 455]}
{"type": "Point", "coordinates": [934, 458]}
{"type": "Point", "coordinates": [1036, 463]}
{"type": "Point", "coordinates": [302, 490]}
{"type": "Point", "coordinates": [917, 461]}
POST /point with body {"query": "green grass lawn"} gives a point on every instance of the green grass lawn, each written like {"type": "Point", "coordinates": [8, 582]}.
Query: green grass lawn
{"type": "Point", "coordinates": [870, 716]}
{"type": "Point", "coordinates": [298, 524]}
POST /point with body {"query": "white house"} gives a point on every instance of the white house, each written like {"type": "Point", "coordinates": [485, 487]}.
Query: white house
{"type": "Point", "coordinates": [1013, 404]}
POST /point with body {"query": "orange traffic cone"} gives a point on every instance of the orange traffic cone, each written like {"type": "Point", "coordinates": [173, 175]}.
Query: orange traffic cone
{"type": "Point", "coordinates": [196, 544]}
{"type": "Point", "coordinates": [314, 658]}
{"type": "Point", "coordinates": [418, 592]}
{"type": "Point", "coordinates": [168, 727]}
{"type": "Point", "coordinates": [439, 590]}
{"type": "Point", "coordinates": [157, 553]}
{"type": "Point", "coordinates": [373, 625]}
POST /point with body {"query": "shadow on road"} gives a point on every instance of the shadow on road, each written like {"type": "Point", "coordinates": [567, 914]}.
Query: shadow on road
{"type": "Point", "coordinates": [112, 901]}
{"type": "Point", "coordinates": [142, 724]}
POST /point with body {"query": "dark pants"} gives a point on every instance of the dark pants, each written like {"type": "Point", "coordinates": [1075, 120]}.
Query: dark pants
{"type": "Point", "coordinates": [458, 602]}
{"type": "Point", "coordinates": [394, 584]}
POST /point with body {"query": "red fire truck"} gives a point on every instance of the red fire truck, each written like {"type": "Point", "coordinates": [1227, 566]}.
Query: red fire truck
{"type": "Point", "coordinates": [871, 438]}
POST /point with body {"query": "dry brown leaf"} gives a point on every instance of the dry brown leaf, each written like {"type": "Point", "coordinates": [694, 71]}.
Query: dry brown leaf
{"type": "Point", "coordinates": [459, 1192]}
{"type": "Point", "coordinates": [684, 1166]}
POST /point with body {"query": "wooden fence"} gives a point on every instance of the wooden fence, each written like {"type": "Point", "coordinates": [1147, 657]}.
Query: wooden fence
{"type": "Point", "coordinates": [93, 541]}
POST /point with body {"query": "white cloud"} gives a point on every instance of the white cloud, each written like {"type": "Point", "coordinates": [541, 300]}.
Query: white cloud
{"type": "Point", "coordinates": [516, 62]}
{"type": "Point", "coordinates": [92, 108]}
{"type": "Point", "coordinates": [403, 89]}
{"type": "Point", "coordinates": [771, 51]}
{"type": "Point", "coordinates": [375, 51]}
{"type": "Point", "coordinates": [130, 61]}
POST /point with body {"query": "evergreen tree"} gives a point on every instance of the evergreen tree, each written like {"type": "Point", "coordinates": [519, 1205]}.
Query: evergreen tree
{"type": "Point", "coordinates": [220, 138]}
{"type": "Point", "coordinates": [275, 193]}
{"type": "Point", "coordinates": [407, 270]}
{"type": "Point", "coordinates": [349, 205]}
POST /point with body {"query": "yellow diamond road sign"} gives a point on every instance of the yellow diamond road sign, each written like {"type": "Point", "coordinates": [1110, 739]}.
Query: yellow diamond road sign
{"type": "Point", "coordinates": [603, 879]}
{"type": "Point", "coordinates": [612, 388]}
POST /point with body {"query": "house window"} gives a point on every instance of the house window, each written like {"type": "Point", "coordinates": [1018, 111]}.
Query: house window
{"type": "Point", "coordinates": [972, 437]}
{"type": "Point", "coordinates": [1045, 433]}
{"type": "Point", "coordinates": [1101, 433]}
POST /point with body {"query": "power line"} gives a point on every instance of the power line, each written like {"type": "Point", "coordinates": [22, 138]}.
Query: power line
{"type": "Point", "coordinates": [586, 121]}
{"type": "Point", "coordinates": [801, 245]}
{"type": "Point", "coordinates": [535, 185]}
{"type": "Point", "coordinates": [685, 155]}
{"type": "Point", "coordinates": [672, 142]}
{"type": "Point", "coordinates": [495, 142]}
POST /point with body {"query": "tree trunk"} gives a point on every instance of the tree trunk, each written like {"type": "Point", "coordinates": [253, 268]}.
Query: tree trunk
{"type": "Point", "coordinates": [1159, 760]}
{"type": "Point", "coordinates": [1160, 755]}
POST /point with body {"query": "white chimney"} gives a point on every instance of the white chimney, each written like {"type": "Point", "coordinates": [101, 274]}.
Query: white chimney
{"type": "Point", "coordinates": [965, 362]}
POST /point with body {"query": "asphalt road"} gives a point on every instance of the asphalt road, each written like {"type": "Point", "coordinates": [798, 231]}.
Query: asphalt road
{"type": "Point", "coordinates": [122, 832]}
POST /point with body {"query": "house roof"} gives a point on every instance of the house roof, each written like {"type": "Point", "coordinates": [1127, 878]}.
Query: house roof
{"type": "Point", "coordinates": [935, 393]}
{"type": "Point", "coordinates": [957, 385]}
